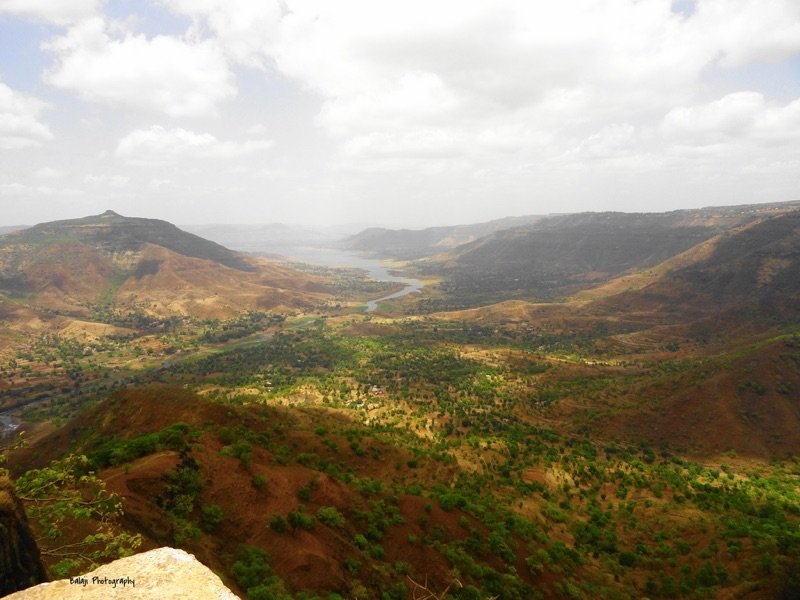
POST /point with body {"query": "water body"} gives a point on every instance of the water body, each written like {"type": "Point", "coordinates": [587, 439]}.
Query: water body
{"type": "Point", "coordinates": [375, 269]}
{"type": "Point", "coordinates": [8, 425]}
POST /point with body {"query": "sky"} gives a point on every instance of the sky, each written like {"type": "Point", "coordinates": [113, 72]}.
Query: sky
{"type": "Point", "coordinates": [404, 114]}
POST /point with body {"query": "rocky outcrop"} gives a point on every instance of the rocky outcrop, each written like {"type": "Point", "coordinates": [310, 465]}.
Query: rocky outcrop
{"type": "Point", "coordinates": [161, 573]}
{"type": "Point", "coordinates": [20, 564]}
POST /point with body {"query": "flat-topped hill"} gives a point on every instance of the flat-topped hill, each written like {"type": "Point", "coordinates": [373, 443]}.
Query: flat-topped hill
{"type": "Point", "coordinates": [114, 234]}
{"type": "Point", "coordinates": [76, 265]}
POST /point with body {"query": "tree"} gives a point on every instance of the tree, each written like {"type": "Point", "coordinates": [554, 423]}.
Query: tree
{"type": "Point", "coordinates": [64, 493]}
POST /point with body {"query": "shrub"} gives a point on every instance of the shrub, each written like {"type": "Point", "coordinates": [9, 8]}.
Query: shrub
{"type": "Point", "coordinates": [330, 516]}
{"type": "Point", "coordinates": [243, 450]}
{"type": "Point", "coordinates": [211, 517]}
{"type": "Point", "coordinates": [278, 524]}
{"type": "Point", "coordinates": [352, 565]}
{"type": "Point", "coordinates": [253, 574]}
{"type": "Point", "coordinates": [300, 520]}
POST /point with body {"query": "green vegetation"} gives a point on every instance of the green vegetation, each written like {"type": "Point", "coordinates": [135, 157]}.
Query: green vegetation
{"type": "Point", "coordinates": [65, 496]}
{"type": "Point", "coordinates": [475, 447]}
{"type": "Point", "coordinates": [117, 450]}
{"type": "Point", "coordinates": [181, 497]}
{"type": "Point", "coordinates": [330, 516]}
{"type": "Point", "coordinates": [253, 574]}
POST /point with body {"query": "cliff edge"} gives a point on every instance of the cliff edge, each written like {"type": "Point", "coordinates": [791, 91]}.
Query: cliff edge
{"type": "Point", "coordinates": [162, 573]}
{"type": "Point", "coordinates": [20, 563]}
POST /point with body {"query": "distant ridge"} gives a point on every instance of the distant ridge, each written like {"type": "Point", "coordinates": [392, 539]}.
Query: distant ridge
{"type": "Point", "coordinates": [559, 255]}
{"type": "Point", "coordinates": [416, 243]}
{"type": "Point", "coordinates": [6, 229]}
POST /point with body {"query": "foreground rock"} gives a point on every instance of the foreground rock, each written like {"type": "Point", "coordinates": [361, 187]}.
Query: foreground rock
{"type": "Point", "coordinates": [20, 565]}
{"type": "Point", "coordinates": [163, 573]}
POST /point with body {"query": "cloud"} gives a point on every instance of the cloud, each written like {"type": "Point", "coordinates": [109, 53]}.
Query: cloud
{"type": "Point", "coordinates": [748, 30]}
{"type": "Point", "coordinates": [738, 117]}
{"type": "Point", "coordinates": [60, 12]}
{"type": "Point", "coordinates": [158, 184]}
{"type": "Point", "coordinates": [434, 107]}
{"type": "Point", "coordinates": [257, 129]}
{"type": "Point", "coordinates": [389, 75]}
{"type": "Point", "coordinates": [115, 181]}
{"type": "Point", "coordinates": [610, 142]}
{"type": "Point", "coordinates": [179, 77]}
{"type": "Point", "coordinates": [49, 173]}
{"type": "Point", "coordinates": [422, 144]}
{"type": "Point", "coordinates": [160, 146]}
{"type": "Point", "coordinates": [19, 120]}
{"type": "Point", "coordinates": [20, 189]}
{"type": "Point", "coordinates": [244, 28]}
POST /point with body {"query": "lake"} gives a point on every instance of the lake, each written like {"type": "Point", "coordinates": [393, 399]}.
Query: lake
{"type": "Point", "coordinates": [375, 268]}
{"type": "Point", "coordinates": [8, 425]}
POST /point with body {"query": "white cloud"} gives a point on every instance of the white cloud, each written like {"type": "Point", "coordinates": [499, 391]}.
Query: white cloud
{"type": "Point", "coordinates": [611, 141]}
{"type": "Point", "coordinates": [468, 107]}
{"type": "Point", "coordinates": [738, 117]}
{"type": "Point", "coordinates": [115, 181]}
{"type": "Point", "coordinates": [179, 77]}
{"type": "Point", "coordinates": [257, 129]}
{"type": "Point", "coordinates": [420, 143]}
{"type": "Point", "coordinates": [748, 30]}
{"type": "Point", "coordinates": [714, 122]}
{"type": "Point", "coordinates": [49, 173]}
{"type": "Point", "coordinates": [244, 28]}
{"type": "Point", "coordinates": [60, 12]}
{"type": "Point", "coordinates": [20, 189]}
{"type": "Point", "coordinates": [477, 65]}
{"type": "Point", "coordinates": [494, 77]}
{"type": "Point", "coordinates": [19, 120]}
{"type": "Point", "coordinates": [160, 146]}
{"type": "Point", "coordinates": [158, 184]}
{"type": "Point", "coordinates": [469, 69]}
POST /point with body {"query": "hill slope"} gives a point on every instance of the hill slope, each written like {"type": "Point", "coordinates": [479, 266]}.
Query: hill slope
{"type": "Point", "coordinates": [115, 234]}
{"type": "Point", "coordinates": [707, 342]}
{"type": "Point", "coordinates": [558, 256]}
{"type": "Point", "coordinates": [76, 265]}
{"type": "Point", "coordinates": [411, 243]}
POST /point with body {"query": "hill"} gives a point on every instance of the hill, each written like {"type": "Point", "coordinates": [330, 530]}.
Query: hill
{"type": "Point", "coordinates": [753, 265]}
{"type": "Point", "coordinates": [5, 229]}
{"type": "Point", "coordinates": [700, 350]}
{"type": "Point", "coordinates": [559, 256]}
{"type": "Point", "coordinates": [116, 235]}
{"type": "Point", "coordinates": [77, 266]}
{"type": "Point", "coordinates": [416, 243]}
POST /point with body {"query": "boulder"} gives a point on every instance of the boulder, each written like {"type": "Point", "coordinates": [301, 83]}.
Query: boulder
{"type": "Point", "coordinates": [162, 573]}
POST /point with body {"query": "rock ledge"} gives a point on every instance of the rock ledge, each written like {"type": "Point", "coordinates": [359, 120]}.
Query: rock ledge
{"type": "Point", "coordinates": [163, 573]}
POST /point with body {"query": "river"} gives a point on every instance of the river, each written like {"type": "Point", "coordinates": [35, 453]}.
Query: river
{"type": "Point", "coordinates": [8, 425]}
{"type": "Point", "coordinates": [375, 269]}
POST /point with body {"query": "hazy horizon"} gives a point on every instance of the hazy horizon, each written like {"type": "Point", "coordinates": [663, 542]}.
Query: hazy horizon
{"type": "Point", "coordinates": [405, 116]}
{"type": "Point", "coordinates": [353, 227]}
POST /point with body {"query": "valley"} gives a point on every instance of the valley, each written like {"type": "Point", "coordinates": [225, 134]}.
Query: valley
{"type": "Point", "coordinates": [601, 405]}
